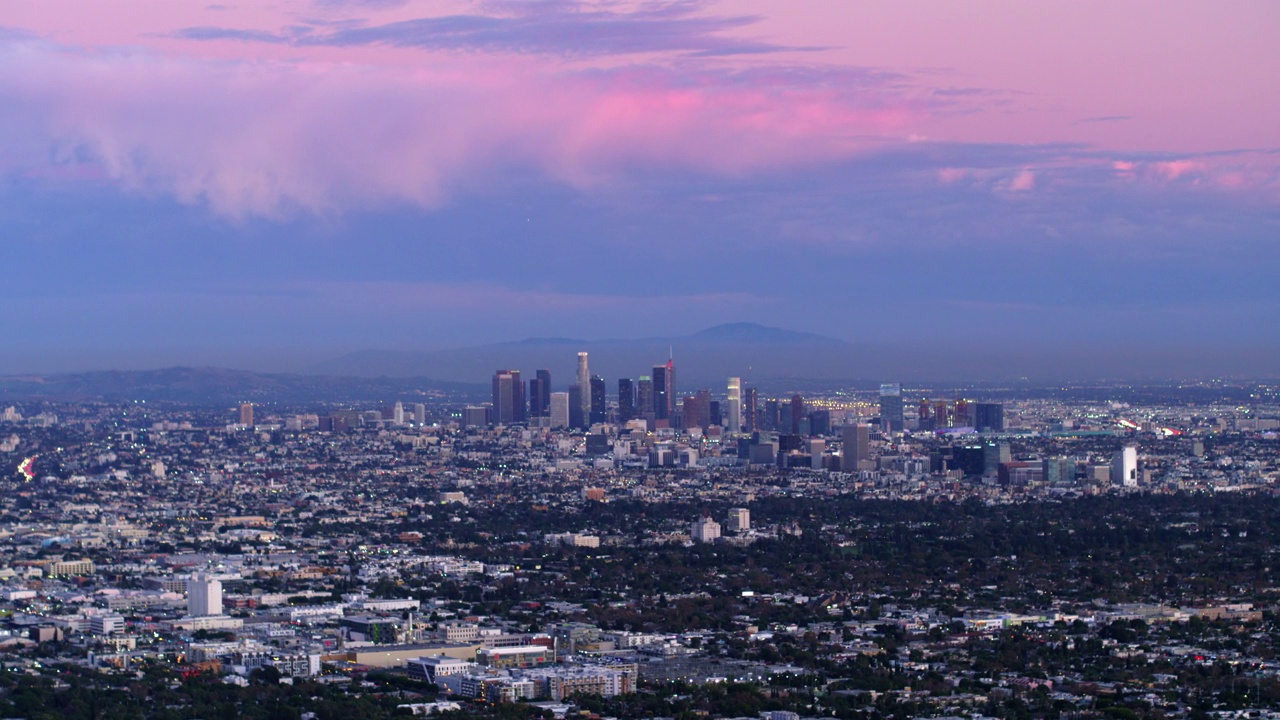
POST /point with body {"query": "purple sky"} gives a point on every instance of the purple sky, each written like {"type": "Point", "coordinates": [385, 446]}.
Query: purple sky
{"type": "Point", "coordinates": [268, 184]}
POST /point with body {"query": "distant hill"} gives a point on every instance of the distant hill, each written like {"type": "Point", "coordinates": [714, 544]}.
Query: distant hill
{"type": "Point", "coordinates": [704, 358]}
{"type": "Point", "coordinates": [222, 386]}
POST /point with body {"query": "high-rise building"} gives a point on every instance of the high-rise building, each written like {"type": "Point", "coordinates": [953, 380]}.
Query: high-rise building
{"type": "Point", "coordinates": [749, 406]}
{"type": "Point", "coordinates": [924, 415]}
{"type": "Point", "coordinates": [578, 418]}
{"type": "Point", "coordinates": [535, 397]}
{"type": "Point", "coordinates": [508, 397]}
{"type": "Point", "coordinates": [420, 413]}
{"type": "Point", "coordinates": [397, 413]}
{"type": "Point", "coordinates": [797, 413]}
{"type": "Point", "coordinates": [705, 530]}
{"type": "Point", "coordinates": [960, 418]}
{"type": "Point", "coordinates": [246, 414]}
{"type": "Point", "coordinates": [857, 445]}
{"type": "Point", "coordinates": [626, 400]}
{"type": "Point", "coordinates": [584, 387]}
{"type": "Point", "coordinates": [739, 520]}
{"type": "Point", "coordinates": [204, 596]}
{"type": "Point", "coordinates": [734, 406]}
{"type": "Point", "coordinates": [703, 415]}
{"type": "Point", "coordinates": [664, 390]}
{"type": "Point", "coordinates": [597, 400]}
{"type": "Point", "coordinates": [544, 387]}
{"type": "Point", "coordinates": [558, 407]}
{"type": "Point", "coordinates": [1124, 467]}
{"type": "Point", "coordinates": [891, 407]}
{"type": "Point", "coordinates": [988, 417]}
{"type": "Point", "coordinates": [1059, 470]}
{"type": "Point", "coordinates": [941, 414]}
{"type": "Point", "coordinates": [644, 398]}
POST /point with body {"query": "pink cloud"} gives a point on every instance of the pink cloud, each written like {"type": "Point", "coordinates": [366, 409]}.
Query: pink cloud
{"type": "Point", "coordinates": [269, 137]}
{"type": "Point", "coordinates": [1174, 169]}
{"type": "Point", "coordinates": [1023, 181]}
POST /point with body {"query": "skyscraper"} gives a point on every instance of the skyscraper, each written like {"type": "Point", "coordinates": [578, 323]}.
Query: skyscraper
{"type": "Point", "coordinates": [535, 397]}
{"type": "Point", "coordinates": [508, 397]}
{"type": "Point", "coordinates": [891, 407]}
{"type": "Point", "coordinates": [857, 445]}
{"type": "Point", "coordinates": [749, 404]}
{"type": "Point", "coordinates": [246, 414]}
{"type": "Point", "coordinates": [559, 409]}
{"type": "Point", "coordinates": [584, 387]}
{"type": "Point", "coordinates": [664, 390]}
{"type": "Point", "coordinates": [577, 416]}
{"type": "Point", "coordinates": [1124, 467]}
{"type": "Point", "coordinates": [644, 397]}
{"type": "Point", "coordinates": [544, 400]}
{"type": "Point", "coordinates": [626, 400]}
{"type": "Point", "coordinates": [397, 413]}
{"type": "Point", "coordinates": [988, 417]}
{"type": "Point", "coordinates": [597, 400]}
{"type": "Point", "coordinates": [797, 413]}
{"type": "Point", "coordinates": [734, 409]}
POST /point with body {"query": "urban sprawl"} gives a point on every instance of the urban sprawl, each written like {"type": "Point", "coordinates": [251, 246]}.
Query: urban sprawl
{"type": "Point", "coordinates": [638, 550]}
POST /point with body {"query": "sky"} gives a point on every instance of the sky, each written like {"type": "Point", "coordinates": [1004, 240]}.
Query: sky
{"type": "Point", "coordinates": [269, 184]}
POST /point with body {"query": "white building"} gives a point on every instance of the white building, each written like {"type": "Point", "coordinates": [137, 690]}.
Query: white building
{"type": "Point", "coordinates": [739, 520]}
{"type": "Point", "coordinates": [204, 596]}
{"type": "Point", "coordinates": [1124, 467]}
{"type": "Point", "coordinates": [734, 410]}
{"type": "Point", "coordinates": [705, 530]}
{"type": "Point", "coordinates": [106, 624]}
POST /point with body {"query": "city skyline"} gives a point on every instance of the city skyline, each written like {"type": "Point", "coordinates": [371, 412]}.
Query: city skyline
{"type": "Point", "coordinates": [266, 187]}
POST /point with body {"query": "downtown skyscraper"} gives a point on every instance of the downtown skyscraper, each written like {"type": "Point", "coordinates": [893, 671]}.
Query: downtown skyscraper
{"type": "Point", "coordinates": [584, 387]}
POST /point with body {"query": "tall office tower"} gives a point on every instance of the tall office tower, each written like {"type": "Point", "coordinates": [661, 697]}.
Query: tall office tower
{"type": "Point", "coordinates": [508, 397]}
{"type": "Point", "coordinates": [749, 406]}
{"type": "Point", "coordinates": [739, 520]}
{"type": "Point", "coordinates": [703, 417]}
{"type": "Point", "coordinates": [689, 412]}
{"type": "Point", "coordinates": [988, 417]}
{"type": "Point", "coordinates": [535, 397]}
{"type": "Point", "coordinates": [664, 390]}
{"type": "Point", "coordinates": [857, 445]}
{"type": "Point", "coordinates": [1124, 467]}
{"type": "Point", "coordinates": [717, 416]}
{"type": "Point", "coordinates": [734, 407]}
{"type": "Point", "coordinates": [246, 414]}
{"type": "Point", "coordinates": [993, 454]}
{"type": "Point", "coordinates": [891, 407]}
{"type": "Point", "coordinates": [941, 415]}
{"type": "Point", "coordinates": [597, 400]}
{"type": "Point", "coordinates": [644, 397]}
{"type": "Point", "coordinates": [397, 413]}
{"type": "Point", "coordinates": [578, 418]}
{"type": "Point", "coordinates": [770, 421]}
{"type": "Point", "coordinates": [204, 596]}
{"type": "Point", "coordinates": [960, 418]}
{"type": "Point", "coordinates": [544, 385]}
{"type": "Point", "coordinates": [797, 413]}
{"type": "Point", "coordinates": [584, 387]}
{"type": "Point", "coordinates": [626, 400]}
{"type": "Point", "coordinates": [558, 406]}
{"type": "Point", "coordinates": [420, 413]}
{"type": "Point", "coordinates": [924, 415]}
